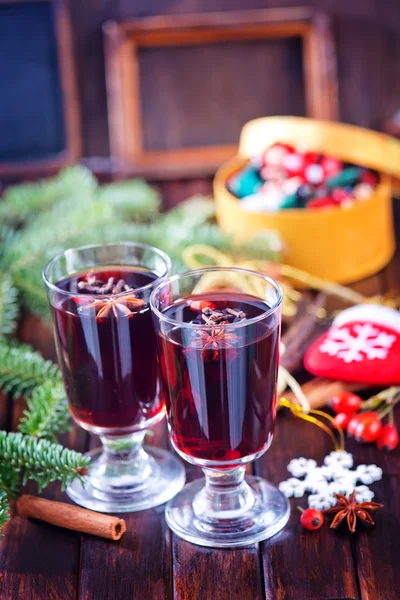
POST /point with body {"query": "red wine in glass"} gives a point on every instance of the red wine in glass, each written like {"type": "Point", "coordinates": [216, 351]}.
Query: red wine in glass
{"type": "Point", "coordinates": [106, 346]}
{"type": "Point", "coordinates": [220, 381]}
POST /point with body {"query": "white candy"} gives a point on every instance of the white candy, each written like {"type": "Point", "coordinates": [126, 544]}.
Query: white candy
{"type": "Point", "coordinates": [321, 501]}
{"type": "Point", "coordinates": [339, 457]}
{"type": "Point", "coordinates": [299, 467]}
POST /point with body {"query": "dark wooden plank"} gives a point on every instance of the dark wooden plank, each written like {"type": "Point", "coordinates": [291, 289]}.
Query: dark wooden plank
{"type": "Point", "coordinates": [298, 563]}
{"type": "Point", "coordinates": [214, 574]}
{"type": "Point", "coordinates": [376, 552]}
{"type": "Point", "coordinates": [138, 566]}
{"type": "Point", "coordinates": [38, 560]}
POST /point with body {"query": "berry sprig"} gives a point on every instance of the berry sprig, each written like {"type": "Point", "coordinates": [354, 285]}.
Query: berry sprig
{"type": "Point", "coordinates": [363, 420]}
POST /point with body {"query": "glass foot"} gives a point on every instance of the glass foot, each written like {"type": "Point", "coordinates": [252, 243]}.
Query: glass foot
{"type": "Point", "coordinates": [260, 519]}
{"type": "Point", "coordinates": [111, 488]}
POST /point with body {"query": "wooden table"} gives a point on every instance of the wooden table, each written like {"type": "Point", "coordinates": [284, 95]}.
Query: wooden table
{"type": "Point", "coordinates": [41, 562]}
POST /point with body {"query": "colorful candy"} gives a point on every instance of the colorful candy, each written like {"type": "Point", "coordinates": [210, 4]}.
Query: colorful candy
{"type": "Point", "coordinates": [285, 177]}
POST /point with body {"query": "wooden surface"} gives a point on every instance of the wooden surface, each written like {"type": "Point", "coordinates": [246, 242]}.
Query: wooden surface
{"type": "Point", "coordinates": [41, 562]}
{"type": "Point", "coordinates": [147, 55]}
{"type": "Point", "coordinates": [367, 40]}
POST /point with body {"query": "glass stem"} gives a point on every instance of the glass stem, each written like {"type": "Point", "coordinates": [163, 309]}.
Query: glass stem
{"type": "Point", "coordinates": [123, 464]}
{"type": "Point", "coordinates": [226, 495]}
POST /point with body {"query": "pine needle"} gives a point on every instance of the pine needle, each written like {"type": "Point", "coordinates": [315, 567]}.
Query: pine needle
{"type": "Point", "coordinates": [4, 509]}
{"type": "Point", "coordinates": [25, 458]}
{"type": "Point", "coordinates": [8, 306]}
{"type": "Point", "coordinates": [47, 413]}
{"type": "Point", "coordinates": [22, 370]}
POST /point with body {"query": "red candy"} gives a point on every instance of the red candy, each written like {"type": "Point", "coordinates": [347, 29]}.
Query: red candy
{"type": "Point", "coordinates": [326, 202]}
{"type": "Point", "coordinates": [331, 166]}
{"type": "Point", "coordinates": [339, 194]}
{"type": "Point", "coordinates": [273, 156]}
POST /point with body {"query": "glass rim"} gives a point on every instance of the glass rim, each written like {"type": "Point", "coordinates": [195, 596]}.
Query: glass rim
{"type": "Point", "coordinates": [244, 323]}
{"type": "Point", "coordinates": [58, 256]}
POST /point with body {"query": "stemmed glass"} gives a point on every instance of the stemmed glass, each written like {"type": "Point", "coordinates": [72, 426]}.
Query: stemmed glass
{"type": "Point", "coordinates": [218, 340]}
{"type": "Point", "coordinates": [106, 347]}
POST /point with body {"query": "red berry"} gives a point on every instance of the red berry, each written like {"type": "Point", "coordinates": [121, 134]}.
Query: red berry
{"type": "Point", "coordinates": [342, 419]}
{"type": "Point", "coordinates": [345, 402]}
{"type": "Point", "coordinates": [312, 519]}
{"type": "Point", "coordinates": [365, 427]}
{"type": "Point", "coordinates": [200, 304]}
{"type": "Point", "coordinates": [388, 439]}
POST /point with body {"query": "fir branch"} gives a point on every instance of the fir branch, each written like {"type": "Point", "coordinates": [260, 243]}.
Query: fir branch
{"type": "Point", "coordinates": [133, 199]}
{"type": "Point", "coordinates": [47, 413]}
{"type": "Point", "coordinates": [22, 456]}
{"type": "Point", "coordinates": [8, 306]}
{"type": "Point", "coordinates": [4, 509]}
{"type": "Point", "coordinates": [25, 200]}
{"type": "Point", "coordinates": [22, 370]}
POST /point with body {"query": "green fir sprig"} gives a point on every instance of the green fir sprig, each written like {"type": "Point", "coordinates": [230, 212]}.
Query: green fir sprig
{"type": "Point", "coordinates": [22, 370]}
{"type": "Point", "coordinates": [9, 308]}
{"type": "Point", "coordinates": [24, 458]}
{"type": "Point", "coordinates": [47, 413]}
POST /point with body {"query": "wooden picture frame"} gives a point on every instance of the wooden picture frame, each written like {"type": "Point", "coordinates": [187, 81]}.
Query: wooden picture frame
{"type": "Point", "coordinates": [122, 41]}
{"type": "Point", "coordinates": [70, 104]}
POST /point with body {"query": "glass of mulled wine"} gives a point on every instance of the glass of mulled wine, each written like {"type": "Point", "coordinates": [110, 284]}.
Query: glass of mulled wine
{"type": "Point", "coordinates": [218, 342]}
{"type": "Point", "coordinates": [106, 347]}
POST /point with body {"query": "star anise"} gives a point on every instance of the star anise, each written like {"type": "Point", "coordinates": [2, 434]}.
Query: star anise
{"type": "Point", "coordinates": [351, 511]}
{"type": "Point", "coordinates": [120, 306]}
{"type": "Point", "coordinates": [216, 340]}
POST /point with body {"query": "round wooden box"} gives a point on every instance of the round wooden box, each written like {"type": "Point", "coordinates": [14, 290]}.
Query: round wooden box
{"type": "Point", "coordinates": [342, 245]}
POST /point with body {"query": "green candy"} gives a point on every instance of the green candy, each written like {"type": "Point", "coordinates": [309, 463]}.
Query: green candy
{"type": "Point", "coordinates": [344, 178]}
{"type": "Point", "coordinates": [245, 183]}
{"type": "Point", "coordinates": [289, 202]}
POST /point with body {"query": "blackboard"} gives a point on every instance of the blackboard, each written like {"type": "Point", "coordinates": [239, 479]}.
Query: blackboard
{"type": "Point", "coordinates": [34, 120]}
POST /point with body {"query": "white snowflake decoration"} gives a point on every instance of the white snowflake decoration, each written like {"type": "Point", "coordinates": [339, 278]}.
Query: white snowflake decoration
{"type": "Point", "coordinates": [368, 473]}
{"type": "Point", "coordinates": [292, 487]}
{"type": "Point", "coordinates": [369, 342]}
{"type": "Point", "coordinates": [299, 467]}
{"type": "Point", "coordinates": [364, 494]}
{"type": "Point", "coordinates": [339, 459]}
{"type": "Point", "coordinates": [321, 501]}
{"type": "Point", "coordinates": [333, 477]}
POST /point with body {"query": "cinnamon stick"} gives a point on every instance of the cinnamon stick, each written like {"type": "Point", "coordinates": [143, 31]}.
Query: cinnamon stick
{"type": "Point", "coordinates": [71, 517]}
{"type": "Point", "coordinates": [318, 391]}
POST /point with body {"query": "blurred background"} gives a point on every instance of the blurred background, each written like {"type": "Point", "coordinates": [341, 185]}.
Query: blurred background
{"type": "Point", "coordinates": [162, 88]}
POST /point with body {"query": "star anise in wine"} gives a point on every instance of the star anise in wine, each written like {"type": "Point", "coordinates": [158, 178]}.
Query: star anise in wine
{"type": "Point", "coordinates": [215, 339]}
{"type": "Point", "coordinates": [120, 306]}
{"type": "Point", "coordinates": [350, 510]}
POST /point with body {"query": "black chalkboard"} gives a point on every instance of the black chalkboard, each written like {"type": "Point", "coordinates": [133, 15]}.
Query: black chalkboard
{"type": "Point", "coordinates": [31, 112]}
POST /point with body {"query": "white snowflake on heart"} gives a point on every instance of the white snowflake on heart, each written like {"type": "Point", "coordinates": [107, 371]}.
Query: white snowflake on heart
{"type": "Point", "coordinates": [334, 477]}
{"type": "Point", "coordinates": [368, 342]}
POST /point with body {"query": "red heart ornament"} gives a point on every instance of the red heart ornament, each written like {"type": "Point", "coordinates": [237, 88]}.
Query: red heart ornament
{"type": "Point", "coordinates": [362, 345]}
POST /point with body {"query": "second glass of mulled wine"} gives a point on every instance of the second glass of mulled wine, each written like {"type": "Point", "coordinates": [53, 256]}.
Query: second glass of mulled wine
{"type": "Point", "coordinates": [106, 347]}
{"type": "Point", "coordinates": [218, 341]}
